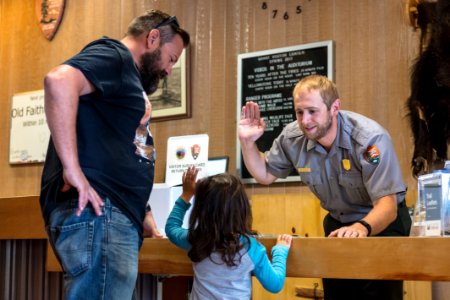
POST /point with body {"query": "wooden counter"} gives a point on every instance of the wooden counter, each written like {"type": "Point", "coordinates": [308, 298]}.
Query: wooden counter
{"type": "Point", "coordinates": [20, 218]}
{"type": "Point", "coordinates": [410, 258]}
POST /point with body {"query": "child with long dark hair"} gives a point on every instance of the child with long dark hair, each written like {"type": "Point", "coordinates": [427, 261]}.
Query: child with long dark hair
{"type": "Point", "coordinates": [220, 240]}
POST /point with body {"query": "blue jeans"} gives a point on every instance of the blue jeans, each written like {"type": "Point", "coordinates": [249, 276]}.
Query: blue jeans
{"type": "Point", "coordinates": [99, 254]}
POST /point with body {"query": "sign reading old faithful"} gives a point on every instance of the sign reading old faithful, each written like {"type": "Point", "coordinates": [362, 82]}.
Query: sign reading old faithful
{"type": "Point", "coordinates": [49, 14]}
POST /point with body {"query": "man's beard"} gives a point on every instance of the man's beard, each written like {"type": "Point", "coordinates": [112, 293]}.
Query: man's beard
{"type": "Point", "coordinates": [150, 71]}
{"type": "Point", "coordinates": [321, 130]}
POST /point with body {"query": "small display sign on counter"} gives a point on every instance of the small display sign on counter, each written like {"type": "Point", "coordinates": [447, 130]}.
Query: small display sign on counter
{"type": "Point", "coordinates": [183, 152]}
{"type": "Point", "coordinates": [431, 215]}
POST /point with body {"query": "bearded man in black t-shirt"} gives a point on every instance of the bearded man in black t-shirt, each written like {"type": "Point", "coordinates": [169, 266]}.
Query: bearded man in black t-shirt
{"type": "Point", "coordinates": [99, 169]}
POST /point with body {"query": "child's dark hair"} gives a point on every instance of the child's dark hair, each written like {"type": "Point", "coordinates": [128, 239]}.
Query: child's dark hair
{"type": "Point", "coordinates": [220, 216]}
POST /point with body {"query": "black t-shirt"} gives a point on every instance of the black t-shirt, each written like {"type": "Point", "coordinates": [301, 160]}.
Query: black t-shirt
{"type": "Point", "coordinates": [115, 147]}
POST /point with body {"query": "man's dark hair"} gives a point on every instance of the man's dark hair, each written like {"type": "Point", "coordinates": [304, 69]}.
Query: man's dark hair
{"type": "Point", "coordinates": [155, 19]}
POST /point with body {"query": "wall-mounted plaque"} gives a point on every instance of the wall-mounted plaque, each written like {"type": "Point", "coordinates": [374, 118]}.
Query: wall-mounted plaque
{"type": "Point", "coordinates": [268, 78]}
{"type": "Point", "coordinates": [29, 131]}
{"type": "Point", "coordinates": [49, 14]}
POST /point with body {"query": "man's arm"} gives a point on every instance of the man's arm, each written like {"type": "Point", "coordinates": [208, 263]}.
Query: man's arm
{"type": "Point", "coordinates": [383, 213]}
{"type": "Point", "coordinates": [63, 85]}
{"type": "Point", "coordinates": [150, 227]}
{"type": "Point", "coordinates": [251, 128]}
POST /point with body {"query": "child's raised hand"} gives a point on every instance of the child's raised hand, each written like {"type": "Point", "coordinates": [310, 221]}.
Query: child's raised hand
{"type": "Point", "coordinates": [189, 179]}
{"type": "Point", "coordinates": [284, 239]}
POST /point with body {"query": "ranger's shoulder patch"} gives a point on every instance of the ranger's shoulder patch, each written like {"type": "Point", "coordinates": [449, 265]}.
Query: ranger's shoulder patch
{"type": "Point", "coordinates": [372, 154]}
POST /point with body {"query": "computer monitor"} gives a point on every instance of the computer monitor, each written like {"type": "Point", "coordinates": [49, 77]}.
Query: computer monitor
{"type": "Point", "coordinates": [217, 165]}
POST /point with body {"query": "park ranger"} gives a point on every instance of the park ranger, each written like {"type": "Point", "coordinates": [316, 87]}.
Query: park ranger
{"type": "Point", "coordinates": [349, 163]}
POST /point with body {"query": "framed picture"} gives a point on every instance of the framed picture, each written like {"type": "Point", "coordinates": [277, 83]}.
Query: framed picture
{"type": "Point", "coordinates": [172, 98]}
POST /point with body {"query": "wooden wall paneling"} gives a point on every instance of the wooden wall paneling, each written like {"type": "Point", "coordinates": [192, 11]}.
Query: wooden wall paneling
{"type": "Point", "coordinates": [359, 41]}
{"type": "Point", "coordinates": [287, 213]}
{"type": "Point", "coordinates": [199, 77]}
{"type": "Point", "coordinates": [259, 26]}
{"type": "Point", "coordinates": [295, 22]}
{"type": "Point", "coordinates": [406, 47]}
{"type": "Point", "coordinates": [27, 56]}
{"type": "Point", "coordinates": [200, 83]}
{"type": "Point", "coordinates": [253, 30]}
{"type": "Point", "coordinates": [278, 213]}
{"type": "Point", "coordinates": [108, 19]}
{"type": "Point", "coordinates": [327, 20]}
{"type": "Point", "coordinates": [20, 218]}
{"type": "Point", "coordinates": [5, 76]}
{"type": "Point", "coordinates": [303, 212]}
{"type": "Point", "coordinates": [288, 292]}
{"type": "Point", "coordinates": [311, 21]}
{"type": "Point", "coordinates": [217, 104]}
{"type": "Point", "coordinates": [4, 87]}
{"type": "Point", "coordinates": [376, 60]}
{"type": "Point", "coordinates": [129, 10]}
{"type": "Point", "coordinates": [13, 77]}
{"type": "Point", "coordinates": [269, 213]}
{"type": "Point", "coordinates": [384, 34]}
{"type": "Point", "coordinates": [273, 188]}
{"type": "Point", "coordinates": [418, 290]}
{"type": "Point", "coordinates": [251, 189]}
{"type": "Point", "coordinates": [399, 37]}
{"type": "Point", "coordinates": [277, 24]}
{"type": "Point", "coordinates": [342, 55]}
{"type": "Point", "coordinates": [19, 53]}
{"type": "Point", "coordinates": [236, 16]}
{"type": "Point", "coordinates": [80, 26]}
{"type": "Point", "coordinates": [2, 47]}
{"type": "Point", "coordinates": [1, 15]}
{"type": "Point", "coordinates": [187, 12]}
{"type": "Point", "coordinates": [243, 26]}
{"type": "Point", "coordinates": [225, 144]}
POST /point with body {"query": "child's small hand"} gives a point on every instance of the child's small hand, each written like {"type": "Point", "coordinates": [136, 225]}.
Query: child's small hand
{"type": "Point", "coordinates": [284, 239]}
{"type": "Point", "coordinates": [189, 179]}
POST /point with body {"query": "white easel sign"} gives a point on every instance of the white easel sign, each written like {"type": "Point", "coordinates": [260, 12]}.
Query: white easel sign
{"type": "Point", "coordinates": [29, 134]}
{"type": "Point", "coordinates": [183, 152]}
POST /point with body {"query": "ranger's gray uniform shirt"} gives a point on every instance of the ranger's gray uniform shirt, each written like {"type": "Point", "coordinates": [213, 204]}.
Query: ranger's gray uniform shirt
{"type": "Point", "coordinates": [361, 166]}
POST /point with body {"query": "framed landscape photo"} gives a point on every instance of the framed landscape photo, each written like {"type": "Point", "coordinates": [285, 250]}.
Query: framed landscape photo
{"type": "Point", "coordinates": [172, 98]}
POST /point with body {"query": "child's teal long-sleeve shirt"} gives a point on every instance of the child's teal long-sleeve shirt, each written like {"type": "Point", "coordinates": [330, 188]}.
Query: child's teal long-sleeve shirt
{"type": "Point", "coordinates": [213, 279]}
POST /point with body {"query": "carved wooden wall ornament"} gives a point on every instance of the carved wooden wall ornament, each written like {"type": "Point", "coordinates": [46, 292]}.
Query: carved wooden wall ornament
{"type": "Point", "coordinates": [49, 14]}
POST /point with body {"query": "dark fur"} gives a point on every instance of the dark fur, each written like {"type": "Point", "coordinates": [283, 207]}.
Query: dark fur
{"type": "Point", "coordinates": [429, 103]}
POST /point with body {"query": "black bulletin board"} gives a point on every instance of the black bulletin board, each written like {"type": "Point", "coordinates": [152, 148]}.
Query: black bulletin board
{"type": "Point", "coordinates": [268, 78]}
